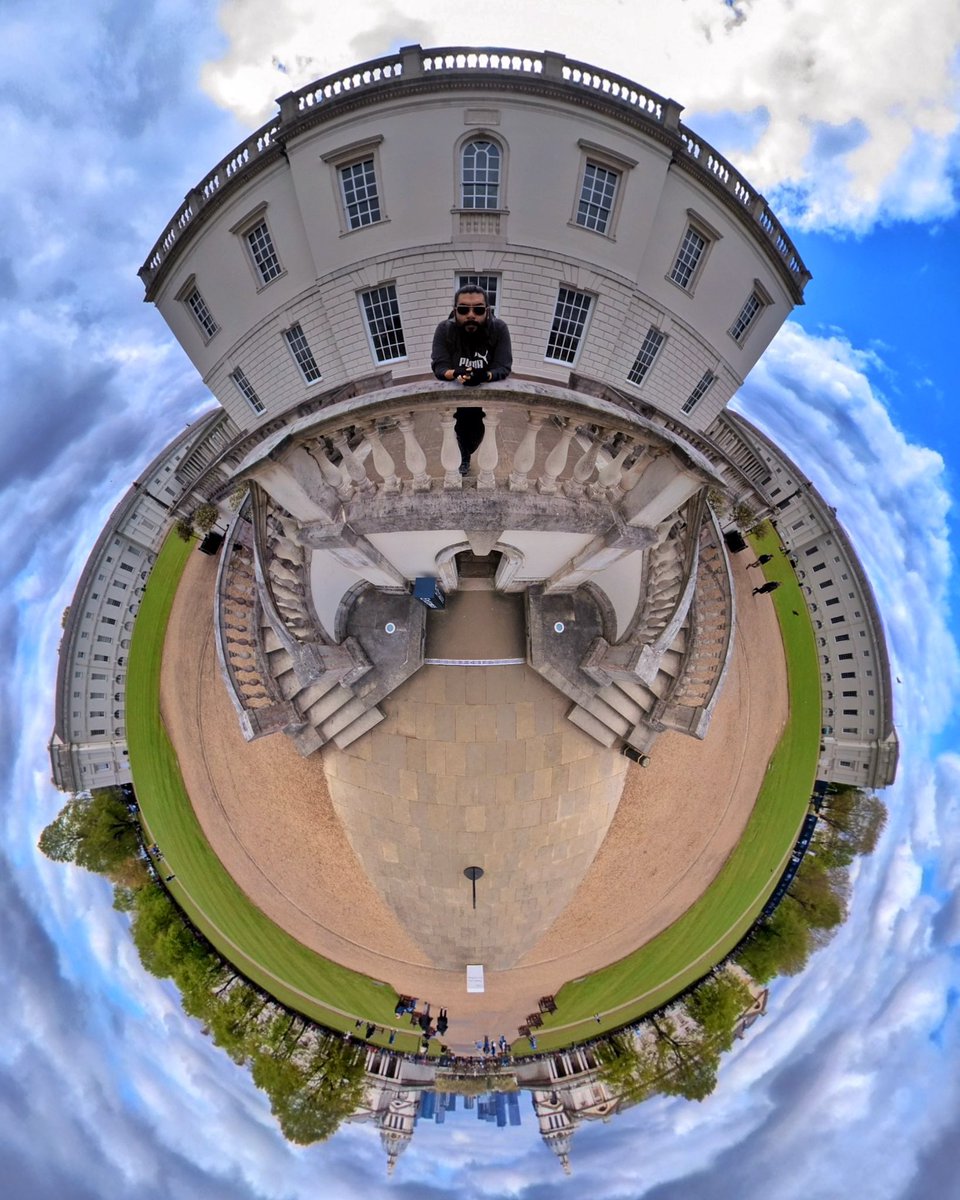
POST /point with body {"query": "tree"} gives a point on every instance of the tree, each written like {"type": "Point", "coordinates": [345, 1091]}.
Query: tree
{"type": "Point", "coordinates": [780, 946]}
{"type": "Point", "coordinates": [820, 893]}
{"type": "Point", "coordinates": [717, 1004]}
{"type": "Point", "coordinates": [183, 528]}
{"type": "Point", "coordinates": [688, 1059]}
{"type": "Point", "coordinates": [854, 818]}
{"type": "Point", "coordinates": [205, 517]}
{"type": "Point", "coordinates": [98, 832]}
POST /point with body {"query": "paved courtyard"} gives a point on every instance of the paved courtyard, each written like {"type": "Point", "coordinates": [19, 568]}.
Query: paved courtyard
{"type": "Point", "coordinates": [270, 816]}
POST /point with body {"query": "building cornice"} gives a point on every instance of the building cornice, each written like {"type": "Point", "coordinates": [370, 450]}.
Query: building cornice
{"type": "Point", "coordinates": [416, 72]}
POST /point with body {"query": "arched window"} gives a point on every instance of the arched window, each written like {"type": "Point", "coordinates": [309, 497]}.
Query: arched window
{"type": "Point", "coordinates": [480, 175]}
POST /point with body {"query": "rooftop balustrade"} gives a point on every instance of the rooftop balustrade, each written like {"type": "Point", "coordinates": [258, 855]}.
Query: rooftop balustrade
{"type": "Point", "coordinates": [416, 69]}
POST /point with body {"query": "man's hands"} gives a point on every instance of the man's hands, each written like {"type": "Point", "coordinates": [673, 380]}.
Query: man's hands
{"type": "Point", "coordinates": [473, 378]}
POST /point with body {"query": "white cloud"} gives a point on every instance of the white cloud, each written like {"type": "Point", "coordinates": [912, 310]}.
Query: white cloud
{"type": "Point", "coordinates": [843, 119]}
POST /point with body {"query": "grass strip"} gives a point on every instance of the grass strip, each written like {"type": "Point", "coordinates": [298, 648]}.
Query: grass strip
{"type": "Point", "coordinates": [649, 977]}
{"type": "Point", "coordinates": [296, 975]}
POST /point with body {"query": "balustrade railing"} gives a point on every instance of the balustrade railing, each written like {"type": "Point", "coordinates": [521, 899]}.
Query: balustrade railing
{"type": "Point", "coordinates": [236, 618]}
{"type": "Point", "coordinates": [709, 639]}
{"type": "Point", "coordinates": [523, 450]}
{"type": "Point", "coordinates": [309, 104]}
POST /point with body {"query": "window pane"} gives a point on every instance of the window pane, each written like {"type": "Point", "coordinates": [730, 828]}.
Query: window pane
{"type": "Point", "coordinates": [569, 320]}
{"type": "Point", "coordinates": [302, 354]}
{"type": "Point", "coordinates": [202, 313]}
{"type": "Point", "coordinates": [480, 180]}
{"type": "Point", "coordinates": [745, 319]}
{"type": "Point", "coordinates": [691, 251]}
{"type": "Point", "coordinates": [360, 197]}
{"type": "Point", "coordinates": [264, 255]}
{"type": "Point", "coordinates": [647, 353]}
{"type": "Point", "coordinates": [383, 321]}
{"type": "Point", "coordinates": [596, 197]}
{"type": "Point", "coordinates": [486, 283]}
{"type": "Point", "coordinates": [245, 388]}
{"type": "Point", "coordinates": [706, 382]}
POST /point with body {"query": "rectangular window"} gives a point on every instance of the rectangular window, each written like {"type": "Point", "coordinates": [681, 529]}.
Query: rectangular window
{"type": "Point", "coordinates": [486, 283]}
{"type": "Point", "coordinates": [848, 674]}
{"type": "Point", "coordinates": [812, 550]}
{"type": "Point", "coordinates": [203, 315]}
{"type": "Point", "coordinates": [126, 567]}
{"type": "Point", "coordinates": [707, 379]}
{"type": "Point", "coordinates": [819, 566]}
{"type": "Point", "coordinates": [102, 637]}
{"type": "Point", "coordinates": [837, 620]}
{"type": "Point", "coordinates": [845, 657]}
{"type": "Point", "coordinates": [569, 321]}
{"type": "Point", "coordinates": [747, 316]}
{"type": "Point", "coordinates": [646, 355]}
{"type": "Point", "coordinates": [833, 600]}
{"type": "Point", "coordinates": [688, 257]}
{"type": "Point", "coordinates": [262, 252]}
{"type": "Point", "coordinates": [115, 603]}
{"type": "Point", "coordinates": [382, 312]}
{"type": "Point", "coordinates": [299, 347]}
{"type": "Point", "coordinates": [361, 201]}
{"type": "Point", "coordinates": [245, 388]}
{"type": "Point", "coordinates": [826, 583]}
{"type": "Point", "coordinates": [842, 637]}
{"type": "Point", "coordinates": [597, 191]}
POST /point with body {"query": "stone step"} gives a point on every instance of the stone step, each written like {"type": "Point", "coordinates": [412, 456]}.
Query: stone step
{"type": "Point", "coordinates": [344, 716]}
{"type": "Point", "coordinates": [608, 715]}
{"type": "Point", "coordinates": [618, 699]}
{"type": "Point", "coordinates": [314, 692]}
{"type": "Point", "coordinates": [270, 639]}
{"type": "Point", "coordinates": [641, 696]}
{"type": "Point", "coordinates": [373, 716]}
{"type": "Point", "coordinates": [324, 706]}
{"type": "Point", "coordinates": [589, 724]}
{"type": "Point", "coordinates": [287, 683]}
{"type": "Point", "coordinates": [307, 740]}
{"type": "Point", "coordinates": [279, 662]}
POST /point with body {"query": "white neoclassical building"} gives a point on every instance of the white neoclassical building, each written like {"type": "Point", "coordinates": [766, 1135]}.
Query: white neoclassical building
{"type": "Point", "coordinates": [641, 277]}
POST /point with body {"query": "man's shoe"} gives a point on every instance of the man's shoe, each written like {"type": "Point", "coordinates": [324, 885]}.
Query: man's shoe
{"type": "Point", "coordinates": [464, 466]}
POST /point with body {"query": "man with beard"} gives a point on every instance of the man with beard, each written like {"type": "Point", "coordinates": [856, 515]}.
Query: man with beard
{"type": "Point", "coordinates": [471, 347]}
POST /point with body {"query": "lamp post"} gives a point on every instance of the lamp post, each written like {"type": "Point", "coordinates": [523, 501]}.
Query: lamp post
{"type": "Point", "coordinates": [473, 874]}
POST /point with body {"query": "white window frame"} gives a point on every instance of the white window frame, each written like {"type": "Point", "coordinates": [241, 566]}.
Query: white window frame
{"type": "Point", "coordinates": [648, 354]}
{"type": "Point", "coordinates": [352, 155]}
{"type": "Point", "coordinates": [747, 321]}
{"type": "Point", "coordinates": [558, 318]}
{"type": "Point", "coordinates": [704, 384]}
{"type": "Point", "coordinates": [470, 278]}
{"type": "Point", "coordinates": [709, 236]}
{"type": "Point", "coordinates": [185, 295]}
{"type": "Point", "coordinates": [388, 286]}
{"type": "Point", "coordinates": [294, 333]}
{"type": "Point", "coordinates": [247, 390]}
{"type": "Point", "coordinates": [475, 137]}
{"type": "Point", "coordinates": [605, 159]}
{"type": "Point", "coordinates": [244, 229]}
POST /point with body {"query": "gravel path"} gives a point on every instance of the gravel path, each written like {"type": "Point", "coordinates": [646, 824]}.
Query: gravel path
{"type": "Point", "coordinates": [268, 815]}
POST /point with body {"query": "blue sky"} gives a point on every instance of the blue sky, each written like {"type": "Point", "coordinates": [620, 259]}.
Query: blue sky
{"type": "Point", "coordinates": [109, 112]}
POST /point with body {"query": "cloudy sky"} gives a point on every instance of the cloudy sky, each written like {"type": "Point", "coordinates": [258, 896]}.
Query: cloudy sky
{"type": "Point", "coordinates": [109, 111]}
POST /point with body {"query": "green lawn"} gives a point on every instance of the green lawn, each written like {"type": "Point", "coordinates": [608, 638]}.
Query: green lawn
{"type": "Point", "coordinates": [295, 975]}
{"type": "Point", "coordinates": [712, 927]}
{"type": "Point", "coordinates": [334, 995]}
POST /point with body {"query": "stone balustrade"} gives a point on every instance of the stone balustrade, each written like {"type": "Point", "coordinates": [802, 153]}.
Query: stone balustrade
{"type": "Point", "coordinates": [541, 454]}
{"type": "Point", "coordinates": [411, 67]}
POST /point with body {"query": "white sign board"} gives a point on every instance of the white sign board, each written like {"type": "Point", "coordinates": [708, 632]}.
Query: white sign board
{"type": "Point", "coordinates": [475, 978]}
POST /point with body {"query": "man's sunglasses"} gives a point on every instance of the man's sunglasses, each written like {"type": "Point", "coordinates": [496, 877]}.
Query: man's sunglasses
{"type": "Point", "coordinates": [479, 309]}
